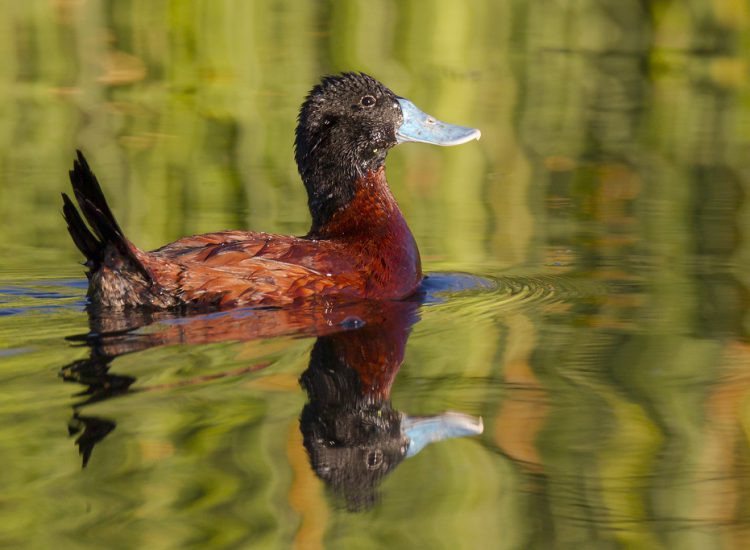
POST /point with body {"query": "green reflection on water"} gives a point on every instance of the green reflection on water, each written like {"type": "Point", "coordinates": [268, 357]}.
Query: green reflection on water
{"type": "Point", "coordinates": [614, 156]}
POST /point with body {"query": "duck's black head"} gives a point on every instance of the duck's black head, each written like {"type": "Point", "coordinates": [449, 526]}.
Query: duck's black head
{"type": "Point", "coordinates": [353, 437]}
{"type": "Point", "coordinates": [346, 126]}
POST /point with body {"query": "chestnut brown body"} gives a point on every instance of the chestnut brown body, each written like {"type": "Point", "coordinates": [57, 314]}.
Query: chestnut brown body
{"type": "Point", "coordinates": [365, 251]}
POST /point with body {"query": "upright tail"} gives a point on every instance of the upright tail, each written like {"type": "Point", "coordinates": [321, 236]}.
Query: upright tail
{"type": "Point", "coordinates": [103, 232]}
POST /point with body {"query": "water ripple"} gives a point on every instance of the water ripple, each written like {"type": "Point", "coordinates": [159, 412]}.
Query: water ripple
{"type": "Point", "coordinates": [45, 296]}
{"type": "Point", "coordinates": [510, 290]}
{"type": "Point", "coordinates": [445, 289]}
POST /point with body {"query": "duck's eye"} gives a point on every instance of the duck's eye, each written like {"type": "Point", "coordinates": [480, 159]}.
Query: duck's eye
{"type": "Point", "coordinates": [374, 459]}
{"type": "Point", "coordinates": [368, 101]}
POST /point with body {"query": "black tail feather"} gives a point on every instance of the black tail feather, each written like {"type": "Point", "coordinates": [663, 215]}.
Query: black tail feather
{"type": "Point", "coordinates": [82, 237]}
{"type": "Point", "coordinates": [85, 185]}
{"type": "Point", "coordinates": [104, 229]}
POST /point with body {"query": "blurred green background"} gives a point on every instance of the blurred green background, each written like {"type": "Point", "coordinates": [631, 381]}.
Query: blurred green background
{"type": "Point", "coordinates": [607, 199]}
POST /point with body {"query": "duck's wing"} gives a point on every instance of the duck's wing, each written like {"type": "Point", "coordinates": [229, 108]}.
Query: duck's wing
{"type": "Point", "coordinates": [227, 248]}
{"type": "Point", "coordinates": [258, 281]}
{"type": "Point", "coordinates": [236, 269]}
{"type": "Point", "coordinates": [196, 247]}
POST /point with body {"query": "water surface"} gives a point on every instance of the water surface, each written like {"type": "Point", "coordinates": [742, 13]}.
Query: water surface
{"type": "Point", "coordinates": [587, 293]}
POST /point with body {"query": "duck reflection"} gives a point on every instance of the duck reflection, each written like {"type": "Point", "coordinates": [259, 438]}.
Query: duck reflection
{"type": "Point", "coordinates": [352, 434]}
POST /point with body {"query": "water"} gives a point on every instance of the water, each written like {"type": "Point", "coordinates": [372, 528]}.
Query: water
{"type": "Point", "coordinates": [587, 294]}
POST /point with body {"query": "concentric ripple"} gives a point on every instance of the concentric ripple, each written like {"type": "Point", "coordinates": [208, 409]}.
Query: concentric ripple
{"type": "Point", "coordinates": [510, 290]}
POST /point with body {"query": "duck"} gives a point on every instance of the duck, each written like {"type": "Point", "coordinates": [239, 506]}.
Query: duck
{"type": "Point", "coordinates": [359, 245]}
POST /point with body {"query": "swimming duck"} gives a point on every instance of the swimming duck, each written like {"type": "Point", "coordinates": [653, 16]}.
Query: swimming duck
{"type": "Point", "coordinates": [359, 245]}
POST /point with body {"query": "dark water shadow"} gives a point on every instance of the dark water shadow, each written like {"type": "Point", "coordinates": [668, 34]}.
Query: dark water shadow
{"type": "Point", "coordinates": [352, 434]}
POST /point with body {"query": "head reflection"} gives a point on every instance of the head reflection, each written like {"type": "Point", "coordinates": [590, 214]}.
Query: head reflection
{"type": "Point", "coordinates": [350, 430]}
{"type": "Point", "coordinates": [353, 435]}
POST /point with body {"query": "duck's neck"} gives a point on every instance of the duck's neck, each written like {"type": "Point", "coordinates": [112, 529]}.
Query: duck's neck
{"type": "Point", "coordinates": [370, 210]}
{"type": "Point", "coordinates": [375, 233]}
{"type": "Point", "coordinates": [333, 178]}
